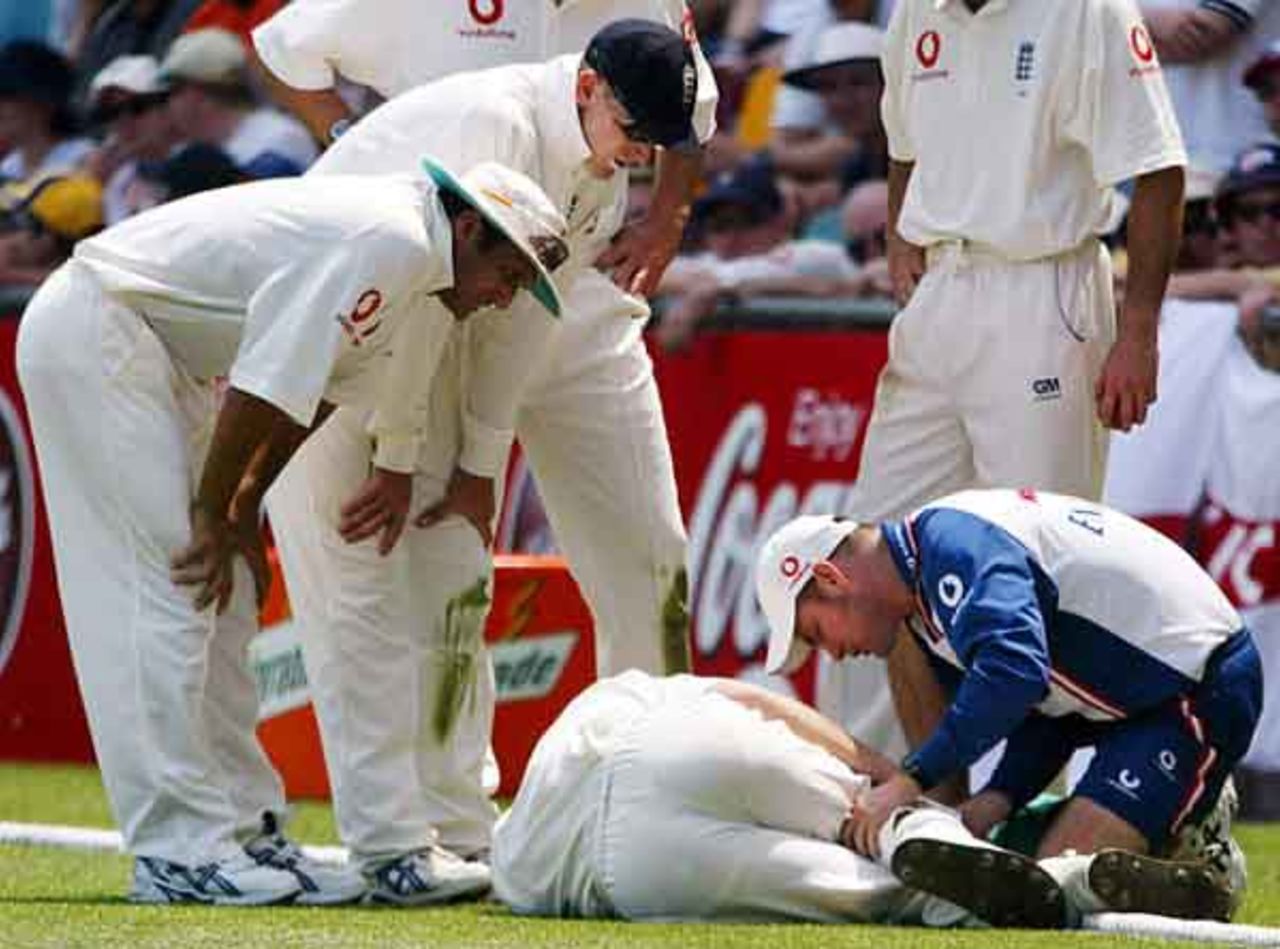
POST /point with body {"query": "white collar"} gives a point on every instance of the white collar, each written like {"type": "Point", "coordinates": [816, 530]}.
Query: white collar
{"type": "Point", "coordinates": [560, 128]}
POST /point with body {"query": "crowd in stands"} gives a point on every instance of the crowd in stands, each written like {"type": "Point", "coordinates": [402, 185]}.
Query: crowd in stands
{"type": "Point", "coordinates": [108, 107]}
{"type": "Point", "coordinates": [153, 99]}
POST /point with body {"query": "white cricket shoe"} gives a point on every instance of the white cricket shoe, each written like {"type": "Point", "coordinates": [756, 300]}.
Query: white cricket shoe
{"type": "Point", "coordinates": [426, 877]}
{"type": "Point", "coordinates": [236, 881]}
{"type": "Point", "coordinates": [321, 884]}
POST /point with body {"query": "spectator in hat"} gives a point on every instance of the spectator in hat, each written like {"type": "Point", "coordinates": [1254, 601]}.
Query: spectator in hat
{"type": "Point", "coordinates": [749, 251]}
{"type": "Point", "coordinates": [40, 225]}
{"type": "Point", "coordinates": [844, 144]}
{"type": "Point", "coordinates": [114, 28]}
{"type": "Point", "coordinates": [1248, 204]}
{"type": "Point", "coordinates": [193, 168]}
{"type": "Point", "coordinates": [211, 101]}
{"type": "Point", "coordinates": [127, 101]}
{"type": "Point", "coordinates": [1263, 79]}
{"type": "Point", "coordinates": [36, 122]}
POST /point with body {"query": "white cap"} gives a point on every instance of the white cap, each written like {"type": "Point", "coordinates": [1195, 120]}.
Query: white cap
{"type": "Point", "coordinates": [215, 56]}
{"type": "Point", "coordinates": [840, 43]}
{"type": "Point", "coordinates": [139, 75]}
{"type": "Point", "coordinates": [517, 207]}
{"type": "Point", "coordinates": [785, 565]}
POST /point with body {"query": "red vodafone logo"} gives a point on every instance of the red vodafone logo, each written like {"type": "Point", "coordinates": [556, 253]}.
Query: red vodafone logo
{"type": "Point", "coordinates": [486, 12]}
{"type": "Point", "coordinates": [929, 48]}
{"type": "Point", "coordinates": [1140, 43]}
{"type": "Point", "coordinates": [790, 566]}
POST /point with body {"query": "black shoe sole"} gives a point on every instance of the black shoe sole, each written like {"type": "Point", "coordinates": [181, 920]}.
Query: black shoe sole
{"type": "Point", "coordinates": [1129, 883]}
{"type": "Point", "coordinates": [1001, 888]}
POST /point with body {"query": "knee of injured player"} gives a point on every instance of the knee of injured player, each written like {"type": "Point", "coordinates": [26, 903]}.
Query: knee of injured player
{"type": "Point", "coordinates": [840, 612]}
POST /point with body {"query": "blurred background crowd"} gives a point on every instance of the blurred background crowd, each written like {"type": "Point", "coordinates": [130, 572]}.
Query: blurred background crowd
{"type": "Point", "coordinates": [110, 106]}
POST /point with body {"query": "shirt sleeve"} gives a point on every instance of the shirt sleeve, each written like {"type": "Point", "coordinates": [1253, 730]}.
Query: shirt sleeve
{"type": "Point", "coordinates": [708, 99]}
{"type": "Point", "coordinates": [398, 419]}
{"type": "Point", "coordinates": [893, 106]}
{"type": "Point", "coordinates": [306, 43]}
{"type": "Point", "coordinates": [1240, 12]}
{"type": "Point", "coordinates": [1121, 113]}
{"type": "Point", "coordinates": [297, 323]}
{"type": "Point", "coordinates": [981, 591]}
{"type": "Point", "coordinates": [502, 350]}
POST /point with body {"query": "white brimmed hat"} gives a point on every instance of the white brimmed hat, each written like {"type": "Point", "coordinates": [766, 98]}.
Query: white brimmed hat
{"type": "Point", "coordinates": [840, 43]}
{"type": "Point", "coordinates": [136, 75]}
{"type": "Point", "coordinates": [214, 56]}
{"type": "Point", "coordinates": [519, 209]}
{"type": "Point", "coordinates": [785, 565]}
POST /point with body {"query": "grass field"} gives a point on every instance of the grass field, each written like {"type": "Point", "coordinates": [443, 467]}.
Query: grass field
{"type": "Point", "coordinates": [59, 898]}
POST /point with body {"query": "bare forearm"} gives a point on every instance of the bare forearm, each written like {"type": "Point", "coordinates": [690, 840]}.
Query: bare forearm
{"type": "Point", "coordinates": [811, 726]}
{"type": "Point", "coordinates": [1189, 36]}
{"type": "Point", "coordinates": [817, 157]}
{"type": "Point", "coordinates": [317, 109]}
{"type": "Point", "coordinates": [1155, 228]}
{"type": "Point", "coordinates": [899, 177]}
{"type": "Point", "coordinates": [244, 425]}
{"type": "Point", "coordinates": [678, 172]}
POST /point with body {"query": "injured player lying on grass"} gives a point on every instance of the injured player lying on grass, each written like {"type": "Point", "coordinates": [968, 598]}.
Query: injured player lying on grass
{"type": "Point", "coordinates": [687, 798]}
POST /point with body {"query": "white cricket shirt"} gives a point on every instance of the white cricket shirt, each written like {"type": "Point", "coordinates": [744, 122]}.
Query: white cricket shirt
{"type": "Point", "coordinates": [524, 117]}
{"type": "Point", "coordinates": [1021, 118]}
{"type": "Point", "coordinates": [294, 289]}
{"type": "Point", "coordinates": [394, 45]}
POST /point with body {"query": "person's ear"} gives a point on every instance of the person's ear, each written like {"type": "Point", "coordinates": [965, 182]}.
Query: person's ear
{"type": "Point", "coordinates": [588, 82]}
{"type": "Point", "coordinates": [830, 578]}
{"type": "Point", "coordinates": [467, 225]}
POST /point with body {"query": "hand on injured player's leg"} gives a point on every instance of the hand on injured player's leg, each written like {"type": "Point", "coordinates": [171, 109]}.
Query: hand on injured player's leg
{"type": "Point", "coordinates": [984, 810]}
{"type": "Point", "coordinates": [205, 563]}
{"type": "Point", "coordinates": [469, 497]}
{"type": "Point", "coordinates": [381, 504]}
{"type": "Point", "coordinates": [861, 831]}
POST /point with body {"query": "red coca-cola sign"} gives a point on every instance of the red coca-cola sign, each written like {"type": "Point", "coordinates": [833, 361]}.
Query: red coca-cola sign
{"type": "Point", "coordinates": [764, 425]}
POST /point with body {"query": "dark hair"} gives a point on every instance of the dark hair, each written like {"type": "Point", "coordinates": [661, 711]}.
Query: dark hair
{"type": "Point", "coordinates": [39, 73]}
{"type": "Point", "coordinates": [454, 205]}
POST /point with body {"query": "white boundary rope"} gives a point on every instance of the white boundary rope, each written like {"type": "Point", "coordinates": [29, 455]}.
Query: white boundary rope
{"type": "Point", "coordinates": [1122, 924]}
{"type": "Point", "coordinates": [89, 838]}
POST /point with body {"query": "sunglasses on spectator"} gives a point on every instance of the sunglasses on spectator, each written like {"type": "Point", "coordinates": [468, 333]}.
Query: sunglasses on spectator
{"type": "Point", "coordinates": [133, 106]}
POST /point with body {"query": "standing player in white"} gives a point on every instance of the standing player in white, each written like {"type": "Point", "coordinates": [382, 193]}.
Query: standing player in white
{"type": "Point", "coordinates": [410, 624]}
{"type": "Point", "coordinates": [1009, 125]}
{"type": "Point", "coordinates": [300, 294]}
{"type": "Point", "coordinates": [712, 799]}
{"type": "Point", "coordinates": [1060, 624]}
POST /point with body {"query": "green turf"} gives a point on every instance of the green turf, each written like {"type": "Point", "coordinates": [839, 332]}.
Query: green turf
{"type": "Point", "coordinates": [59, 898]}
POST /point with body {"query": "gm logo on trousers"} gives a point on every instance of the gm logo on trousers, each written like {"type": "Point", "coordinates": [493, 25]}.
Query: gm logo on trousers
{"type": "Point", "coordinates": [1045, 388]}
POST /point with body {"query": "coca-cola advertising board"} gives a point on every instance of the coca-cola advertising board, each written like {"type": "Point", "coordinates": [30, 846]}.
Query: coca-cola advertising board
{"type": "Point", "coordinates": [764, 425]}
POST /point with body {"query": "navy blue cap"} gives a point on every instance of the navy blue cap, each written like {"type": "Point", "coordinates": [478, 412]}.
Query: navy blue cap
{"type": "Point", "coordinates": [650, 69]}
{"type": "Point", "coordinates": [35, 71]}
{"type": "Point", "coordinates": [1256, 167]}
{"type": "Point", "coordinates": [751, 186]}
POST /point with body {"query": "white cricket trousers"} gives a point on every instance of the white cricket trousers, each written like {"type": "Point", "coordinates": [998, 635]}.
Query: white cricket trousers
{"type": "Point", "coordinates": [120, 434]}
{"type": "Point", "coordinates": [386, 640]}
{"type": "Point", "coordinates": [989, 384]}
{"type": "Point", "coordinates": [707, 811]}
